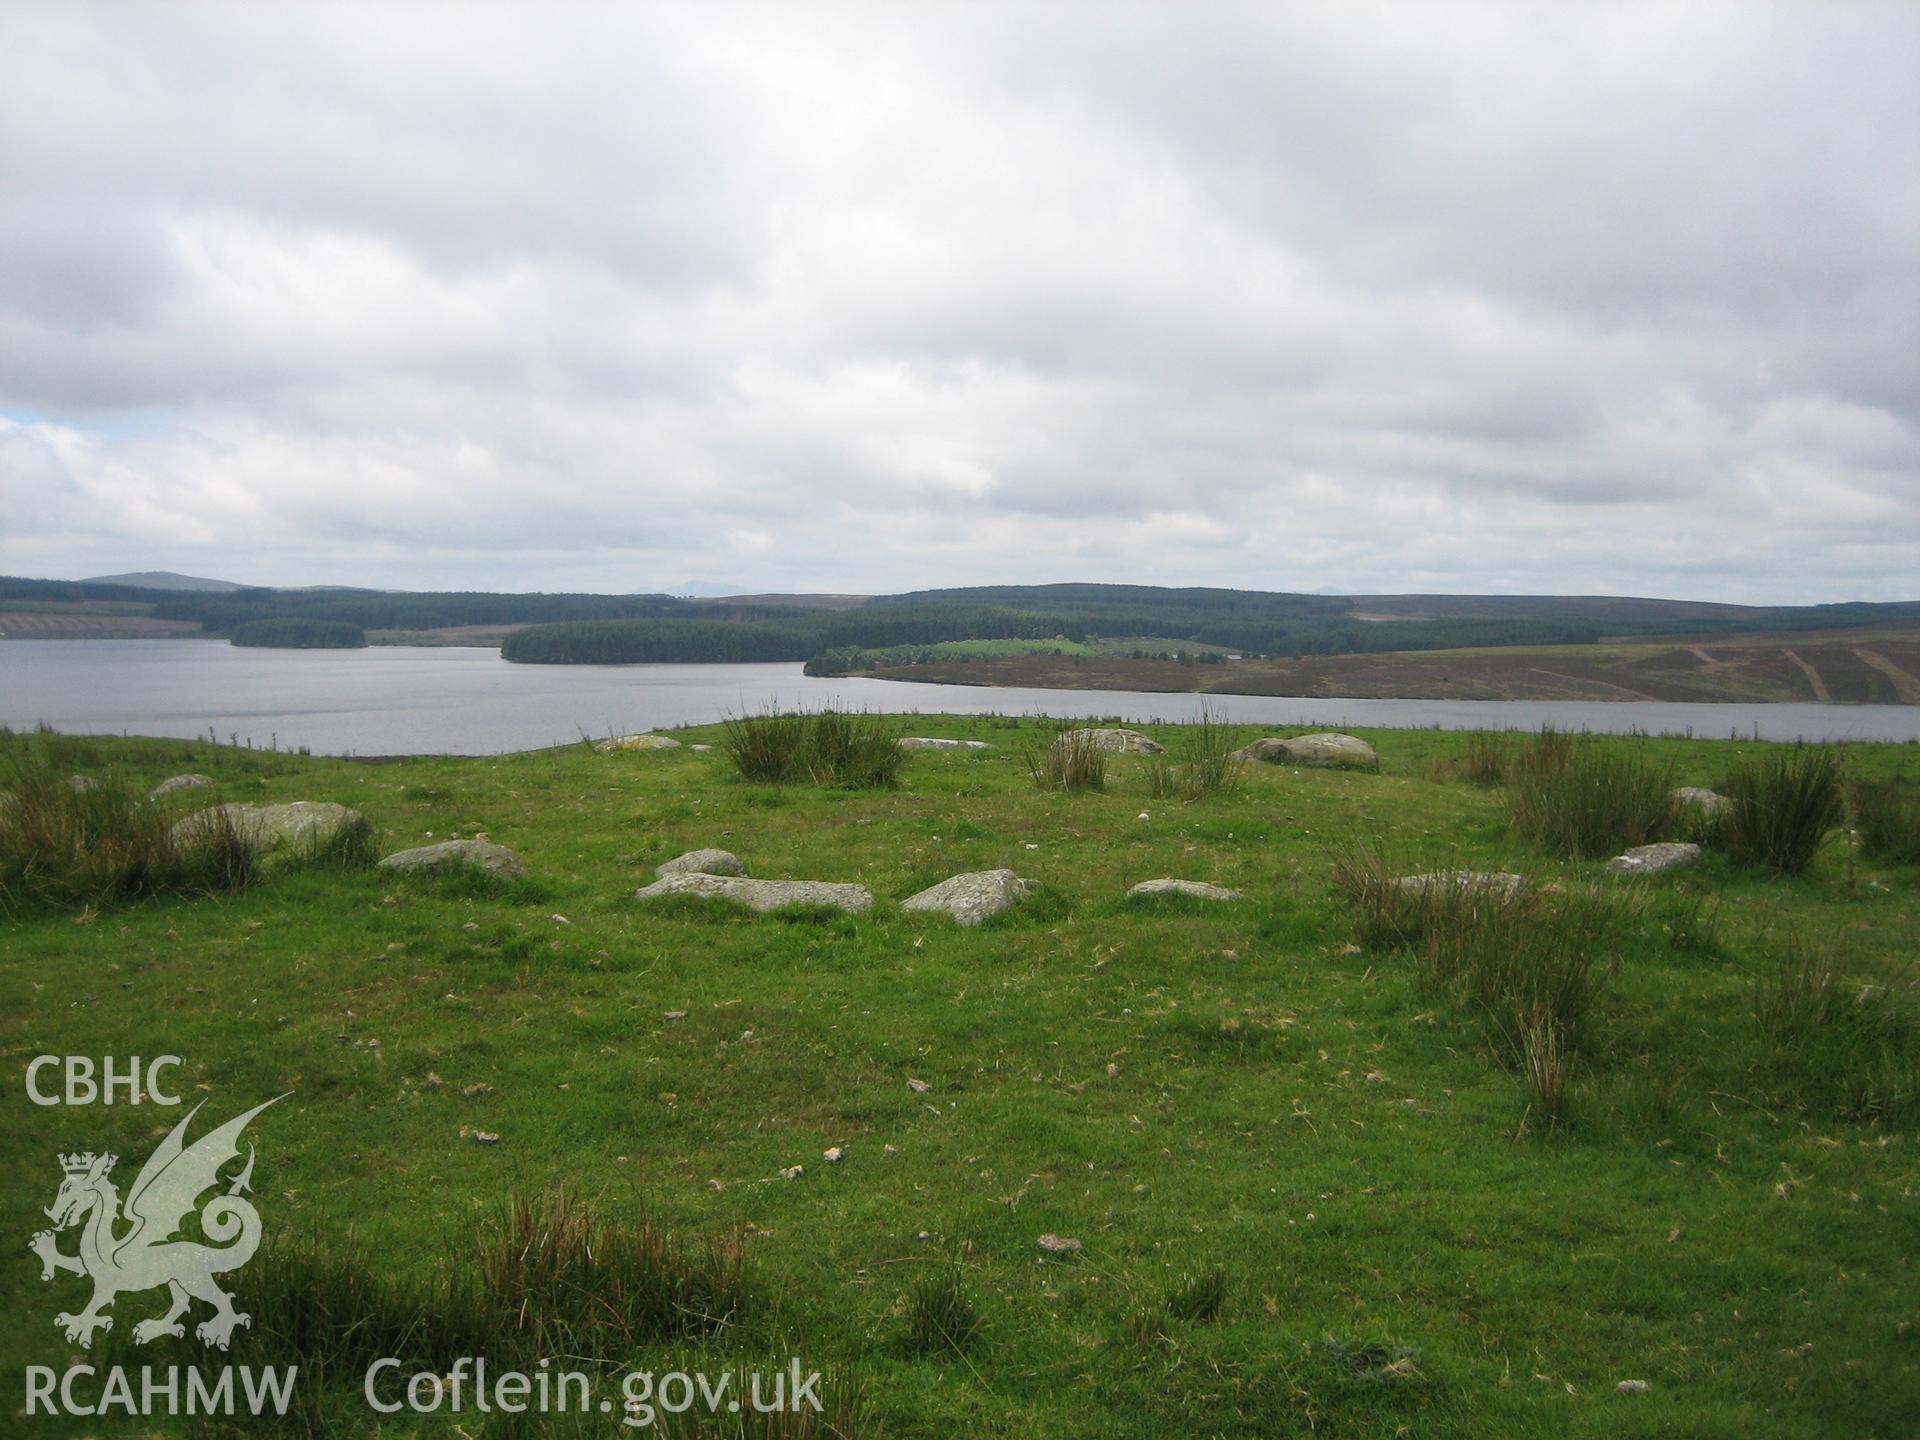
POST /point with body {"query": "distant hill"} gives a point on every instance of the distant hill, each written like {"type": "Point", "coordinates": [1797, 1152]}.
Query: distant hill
{"type": "Point", "coordinates": [800, 602]}
{"type": "Point", "coordinates": [164, 580]}
{"type": "Point", "coordinates": [707, 589]}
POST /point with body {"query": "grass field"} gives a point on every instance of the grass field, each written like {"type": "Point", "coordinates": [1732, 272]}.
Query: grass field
{"type": "Point", "coordinates": [1311, 1191]}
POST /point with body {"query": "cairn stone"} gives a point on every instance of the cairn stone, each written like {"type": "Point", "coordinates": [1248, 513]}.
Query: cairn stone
{"type": "Point", "coordinates": [1655, 859]}
{"type": "Point", "coordinates": [1709, 804]}
{"type": "Point", "coordinates": [762, 896]}
{"type": "Point", "coordinates": [178, 782]}
{"type": "Point", "coordinates": [298, 825]}
{"type": "Point", "coordinates": [618, 743]}
{"type": "Point", "coordinates": [1328, 750]}
{"type": "Point", "coordinates": [451, 854]}
{"type": "Point", "coordinates": [1114, 741]}
{"type": "Point", "coordinates": [1197, 889]}
{"type": "Point", "coordinates": [703, 862]}
{"type": "Point", "coordinates": [1502, 884]}
{"type": "Point", "coordinates": [973, 897]}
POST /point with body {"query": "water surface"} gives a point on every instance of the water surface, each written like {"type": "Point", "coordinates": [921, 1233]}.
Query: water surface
{"type": "Point", "coordinates": [392, 700]}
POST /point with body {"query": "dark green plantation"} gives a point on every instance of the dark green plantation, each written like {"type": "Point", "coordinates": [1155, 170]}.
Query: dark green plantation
{"type": "Point", "coordinates": [1338, 1163]}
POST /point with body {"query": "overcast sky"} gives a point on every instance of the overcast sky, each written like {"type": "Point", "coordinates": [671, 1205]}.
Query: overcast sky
{"type": "Point", "coordinates": [1606, 299]}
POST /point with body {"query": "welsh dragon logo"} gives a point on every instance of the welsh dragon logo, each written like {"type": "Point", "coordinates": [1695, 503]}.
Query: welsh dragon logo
{"type": "Point", "coordinates": [146, 1253]}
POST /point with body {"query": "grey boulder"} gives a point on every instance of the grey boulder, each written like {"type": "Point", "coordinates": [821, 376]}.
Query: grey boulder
{"type": "Point", "coordinates": [703, 862]}
{"type": "Point", "coordinates": [761, 896]}
{"type": "Point", "coordinates": [923, 742]}
{"type": "Point", "coordinates": [1702, 801]}
{"type": "Point", "coordinates": [178, 782]}
{"type": "Point", "coordinates": [1112, 740]}
{"type": "Point", "coordinates": [297, 825]}
{"type": "Point", "coordinates": [449, 854]}
{"type": "Point", "coordinates": [1197, 889]}
{"type": "Point", "coordinates": [1655, 859]}
{"type": "Point", "coordinates": [617, 743]}
{"type": "Point", "coordinates": [1329, 750]}
{"type": "Point", "coordinates": [973, 897]}
{"type": "Point", "coordinates": [1502, 884]}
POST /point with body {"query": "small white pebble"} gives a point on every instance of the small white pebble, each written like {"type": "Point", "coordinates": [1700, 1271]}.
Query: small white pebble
{"type": "Point", "coordinates": [793, 1172]}
{"type": "Point", "coordinates": [1059, 1244]}
{"type": "Point", "coordinates": [485, 1137]}
{"type": "Point", "coordinates": [833, 1154]}
{"type": "Point", "coordinates": [918, 1087]}
{"type": "Point", "coordinates": [1633, 1387]}
{"type": "Point", "coordinates": [559, 919]}
{"type": "Point", "coordinates": [676, 1015]}
{"type": "Point", "coordinates": [1143, 815]}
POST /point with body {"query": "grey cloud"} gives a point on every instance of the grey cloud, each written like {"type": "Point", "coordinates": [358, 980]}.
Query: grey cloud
{"type": "Point", "coordinates": [860, 297]}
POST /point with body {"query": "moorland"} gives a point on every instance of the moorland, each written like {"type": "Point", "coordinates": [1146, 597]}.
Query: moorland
{"type": "Point", "coordinates": [1336, 1162]}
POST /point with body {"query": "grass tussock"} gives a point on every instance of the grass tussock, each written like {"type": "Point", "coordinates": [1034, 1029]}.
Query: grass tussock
{"type": "Point", "coordinates": [1196, 1299]}
{"type": "Point", "coordinates": [1849, 1048]}
{"type": "Point", "coordinates": [546, 1278]}
{"type": "Point", "coordinates": [1372, 1360]}
{"type": "Point", "coordinates": [1530, 964]}
{"type": "Point", "coordinates": [564, 1280]}
{"type": "Point", "coordinates": [1484, 760]}
{"type": "Point", "coordinates": [1691, 921]}
{"type": "Point", "coordinates": [1886, 817]}
{"type": "Point", "coordinates": [67, 843]}
{"type": "Point", "coordinates": [1387, 914]}
{"type": "Point", "coordinates": [1073, 762]}
{"type": "Point", "coordinates": [1584, 797]}
{"type": "Point", "coordinates": [941, 1319]}
{"type": "Point", "coordinates": [1784, 803]}
{"type": "Point", "coordinates": [1200, 765]}
{"type": "Point", "coordinates": [833, 749]}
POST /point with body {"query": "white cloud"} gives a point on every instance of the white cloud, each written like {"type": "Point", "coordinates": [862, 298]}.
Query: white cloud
{"type": "Point", "coordinates": [1466, 297]}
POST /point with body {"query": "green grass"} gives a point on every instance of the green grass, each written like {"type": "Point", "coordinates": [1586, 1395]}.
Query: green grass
{"type": "Point", "coordinates": [830, 748]}
{"type": "Point", "coordinates": [1200, 763]}
{"type": "Point", "coordinates": [1072, 762]}
{"type": "Point", "coordinates": [1887, 816]}
{"type": "Point", "coordinates": [1784, 803]}
{"type": "Point", "coordinates": [1583, 797]}
{"type": "Point", "coordinates": [1404, 1241]}
{"type": "Point", "coordinates": [72, 841]}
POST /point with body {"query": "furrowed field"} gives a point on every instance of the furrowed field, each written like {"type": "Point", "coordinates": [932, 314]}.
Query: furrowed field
{"type": "Point", "coordinates": [1336, 1168]}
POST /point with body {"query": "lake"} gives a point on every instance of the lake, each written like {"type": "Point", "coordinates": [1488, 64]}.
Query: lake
{"type": "Point", "coordinates": [399, 700]}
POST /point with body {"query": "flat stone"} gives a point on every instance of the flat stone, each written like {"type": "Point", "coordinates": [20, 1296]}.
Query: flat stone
{"type": "Point", "coordinates": [297, 825]}
{"type": "Point", "coordinates": [1112, 740]}
{"type": "Point", "coordinates": [1328, 750]}
{"type": "Point", "coordinates": [178, 782]}
{"type": "Point", "coordinates": [762, 896]}
{"type": "Point", "coordinates": [923, 742]}
{"type": "Point", "coordinates": [1198, 889]}
{"type": "Point", "coordinates": [449, 854]}
{"type": "Point", "coordinates": [618, 743]}
{"type": "Point", "coordinates": [703, 862]}
{"type": "Point", "coordinates": [1655, 859]}
{"type": "Point", "coordinates": [1503, 883]}
{"type": "Point", "coordinates": [973, 897]}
